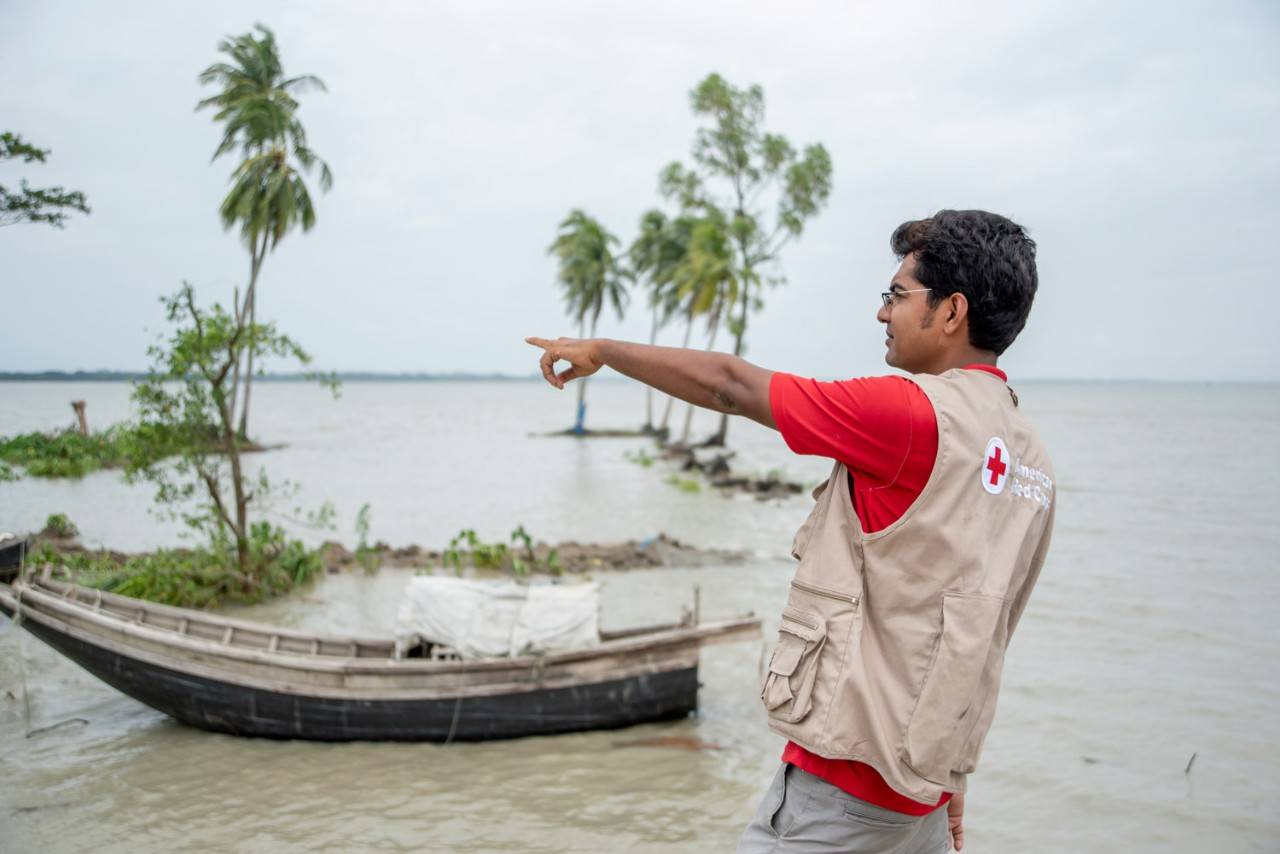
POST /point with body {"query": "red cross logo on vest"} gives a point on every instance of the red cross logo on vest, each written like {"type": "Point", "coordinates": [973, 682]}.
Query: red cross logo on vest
{"type": "Point", "coordinates": [995, 466]}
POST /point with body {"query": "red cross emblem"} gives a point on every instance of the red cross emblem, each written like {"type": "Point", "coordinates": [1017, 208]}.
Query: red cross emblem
{"type": "Point", "coordinates": [995, 469]}
{"type": "Point", "coordinates": [996, 466]}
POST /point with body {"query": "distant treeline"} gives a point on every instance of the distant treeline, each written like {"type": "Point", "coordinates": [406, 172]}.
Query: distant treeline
{"type": "Point", "coordinates": [346, 377]}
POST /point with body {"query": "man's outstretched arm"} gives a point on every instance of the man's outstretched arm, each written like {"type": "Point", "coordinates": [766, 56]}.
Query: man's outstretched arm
{"type": "Point", "coordinates": [715, 381]}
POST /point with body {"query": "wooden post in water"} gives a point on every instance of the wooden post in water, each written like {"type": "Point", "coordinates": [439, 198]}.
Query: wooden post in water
{"type": "Point", "coordinates": [78, 406]}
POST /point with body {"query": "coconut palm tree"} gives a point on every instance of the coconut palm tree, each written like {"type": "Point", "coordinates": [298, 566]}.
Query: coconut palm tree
{"type": "Point", "coordinates": [590, 275]}
{"type": "Point", "coordinates": [707, 285]}
{"type": "Point", "coordinates": [269, 196]}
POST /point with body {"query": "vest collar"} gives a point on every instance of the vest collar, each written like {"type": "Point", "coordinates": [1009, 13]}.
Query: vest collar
{"type": "Point", "coordinates": [991, 369]}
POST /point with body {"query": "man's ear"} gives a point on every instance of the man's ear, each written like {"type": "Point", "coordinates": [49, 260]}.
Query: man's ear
{"type": "Point", "coordinates": [957, 312]}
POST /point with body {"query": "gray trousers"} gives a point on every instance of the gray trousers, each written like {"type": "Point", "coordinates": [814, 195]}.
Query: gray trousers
{"type": "Point", "coordinates": [802, 813]}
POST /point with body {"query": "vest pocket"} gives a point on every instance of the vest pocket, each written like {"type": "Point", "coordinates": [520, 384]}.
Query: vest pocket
{"type": "Point", "coordinates": [968, 761]}
{"type": "Point", "coordinates": [951, 697]}
{"type": "Point", "coordinates": [787, 691]}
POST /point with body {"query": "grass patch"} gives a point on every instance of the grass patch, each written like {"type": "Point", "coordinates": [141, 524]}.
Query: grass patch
{"type": "Point", "coordinates": [66, 453]}
{"type": "Point", "coordinates": [684, 484]}
{"type": "Point", "coordinates": [468, 549]}
{"type": "Point", "coordinates": [641, 458]}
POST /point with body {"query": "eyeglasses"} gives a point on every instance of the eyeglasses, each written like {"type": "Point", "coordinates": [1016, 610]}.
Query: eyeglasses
{"type": "Point", "coordinates": [890, 296]}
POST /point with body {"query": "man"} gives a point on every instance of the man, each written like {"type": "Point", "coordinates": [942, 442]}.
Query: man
{"type": "Point", "coordinates": [919, 556]}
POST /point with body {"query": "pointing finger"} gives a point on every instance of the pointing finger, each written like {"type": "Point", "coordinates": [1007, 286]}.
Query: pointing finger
{"type": "Point", "coordinates": [538, 342]}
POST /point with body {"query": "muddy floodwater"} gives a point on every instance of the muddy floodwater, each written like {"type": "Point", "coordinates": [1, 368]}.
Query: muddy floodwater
{"type": "Point", "coordinates": [1140, 709]}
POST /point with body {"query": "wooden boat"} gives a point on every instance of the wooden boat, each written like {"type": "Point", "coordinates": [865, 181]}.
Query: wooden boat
{"type": "Point", "coordinates": [252, 679]}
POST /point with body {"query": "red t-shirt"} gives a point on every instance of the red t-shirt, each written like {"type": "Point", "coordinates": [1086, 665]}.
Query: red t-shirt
{"type": "Point", "coordinates": [884, 430]}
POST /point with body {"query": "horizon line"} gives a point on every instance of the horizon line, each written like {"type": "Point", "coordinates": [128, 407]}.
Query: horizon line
{"type": "Point", "coordinates": [81, 375]}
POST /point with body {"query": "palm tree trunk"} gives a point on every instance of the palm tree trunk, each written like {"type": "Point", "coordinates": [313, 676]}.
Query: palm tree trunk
{"type": "Point", "coordinates": [240, 526]}
{"type": "Point", "coordinates": [252, 299]}
{"type": "Point", "coordinates": [581, 417]}
{"type": "Point", "coordinates": [234, 397]}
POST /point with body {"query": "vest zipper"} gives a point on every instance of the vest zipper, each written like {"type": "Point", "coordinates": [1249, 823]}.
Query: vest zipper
{"type": "Point", "coordinates": [795, 616]}
{"type": "Point", "coordinates": [823, 591]}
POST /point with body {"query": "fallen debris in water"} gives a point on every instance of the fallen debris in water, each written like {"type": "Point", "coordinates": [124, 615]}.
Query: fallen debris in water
{"type": "Point", "coordinates": [46, 729]}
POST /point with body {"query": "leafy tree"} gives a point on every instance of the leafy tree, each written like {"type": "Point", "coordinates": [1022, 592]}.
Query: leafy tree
{"type": "Point", "coordinates": [737, 168]}
{"type": "Point", "coordinates": [590, 275]}
{"type": "Point", "coordinates": [51, 205]}
{"type": "Point", "coordinates": [186, 442]}
{"type": "Point", "coordinates": [269, 196]}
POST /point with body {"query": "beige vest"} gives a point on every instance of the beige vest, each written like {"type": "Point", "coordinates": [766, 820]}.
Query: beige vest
{"type": "Point", "coordinates": [891, 644]}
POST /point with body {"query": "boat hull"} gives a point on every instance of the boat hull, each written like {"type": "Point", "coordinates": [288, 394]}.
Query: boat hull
{"type": "Point", "coordinates": [239, 710]}
{"type": "Point", "coordinates": [250, 679]}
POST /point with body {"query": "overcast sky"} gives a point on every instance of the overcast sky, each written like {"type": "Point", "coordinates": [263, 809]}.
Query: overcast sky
{"type": "Point", "coordinates": [1137, 142]}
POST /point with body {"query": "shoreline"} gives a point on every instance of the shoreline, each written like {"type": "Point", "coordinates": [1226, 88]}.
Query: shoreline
{"type": "Point", "coordinates": [573, 557]}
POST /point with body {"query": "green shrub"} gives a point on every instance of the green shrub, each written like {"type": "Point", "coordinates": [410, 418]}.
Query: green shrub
{"type": "Point", "coordinates": [197, 578]}
{"type": "Point", "coordinates": [60, 526]}
{"type": "Point", "coordinates": [366, 555]}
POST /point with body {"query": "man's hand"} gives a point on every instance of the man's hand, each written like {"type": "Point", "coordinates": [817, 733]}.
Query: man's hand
{"type": "Point", "coordinates": [955, 820]}
{"type": "Point", "coordinates": [579, 353]}
{"type": "Point", "coordinates": [714, 381]}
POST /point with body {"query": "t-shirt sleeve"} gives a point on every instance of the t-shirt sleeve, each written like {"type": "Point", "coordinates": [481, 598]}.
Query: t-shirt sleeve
{"type": "Point", "coordinates": [865, 423]}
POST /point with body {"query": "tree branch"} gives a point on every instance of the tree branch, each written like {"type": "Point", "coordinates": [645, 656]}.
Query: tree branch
{"type": "Point", "coordinates": [216, 495]}
{"type": "Point", "coordinates": [195, 318]}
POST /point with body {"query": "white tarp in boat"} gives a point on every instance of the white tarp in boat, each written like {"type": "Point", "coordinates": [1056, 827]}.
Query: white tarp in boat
{"type": "Point", "coordinates": [488, 619]}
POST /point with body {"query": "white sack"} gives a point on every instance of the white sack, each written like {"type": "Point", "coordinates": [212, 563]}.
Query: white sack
{"type": "Point", "coordinates": [491, 619]}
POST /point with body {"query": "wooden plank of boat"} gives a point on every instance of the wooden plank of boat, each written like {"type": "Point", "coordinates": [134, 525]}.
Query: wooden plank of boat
{"type": "Point", "coordinates": [166, 658]}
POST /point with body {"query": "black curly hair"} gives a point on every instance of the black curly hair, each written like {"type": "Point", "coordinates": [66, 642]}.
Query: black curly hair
{"type": "Point", "coordinates": [986, 257]}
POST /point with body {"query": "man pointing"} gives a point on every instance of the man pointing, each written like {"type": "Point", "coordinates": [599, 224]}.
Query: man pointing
{"type": "Point", "coordinates": [920, 553]}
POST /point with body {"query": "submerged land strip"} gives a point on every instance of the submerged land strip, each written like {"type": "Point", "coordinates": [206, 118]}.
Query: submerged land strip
{"type": "Point", "coordinates": [63, 549]}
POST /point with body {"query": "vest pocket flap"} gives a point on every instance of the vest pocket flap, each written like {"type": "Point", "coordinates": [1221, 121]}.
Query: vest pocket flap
{"type": "Point", "coordinates": [800, 632]}
{"type": "Point", "coordinates": [786, 657]}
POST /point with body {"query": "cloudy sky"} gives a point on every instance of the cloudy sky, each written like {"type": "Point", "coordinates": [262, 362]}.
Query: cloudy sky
{"type": "Point", "coordinates": [1136, 141]}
